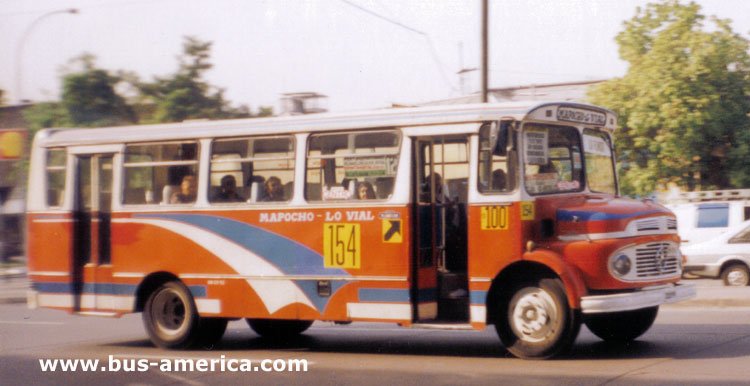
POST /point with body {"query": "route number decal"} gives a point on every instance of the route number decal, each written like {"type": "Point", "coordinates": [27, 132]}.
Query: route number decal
{"type": "Point", "coordinates": [341, 245]}
{"type": "Point", "coordinates": [494, 218]}
{"type": "Point", "coordinates": [527, 211]}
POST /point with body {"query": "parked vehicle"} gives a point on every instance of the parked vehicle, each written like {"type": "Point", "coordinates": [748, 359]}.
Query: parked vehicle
{"type": "Point", "coordinates": [726, 256]}
{"type": "Point", "coordinates": [706, 214]}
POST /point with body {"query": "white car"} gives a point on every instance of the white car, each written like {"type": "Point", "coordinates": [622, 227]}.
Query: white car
{"type": "Point", "coordinates": [726, 256]}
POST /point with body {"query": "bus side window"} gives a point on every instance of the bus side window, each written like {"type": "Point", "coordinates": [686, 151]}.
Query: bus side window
{"type": "Point", "coordinates": [151, 172]}
{"type": "Point", "coordinates": [337, 164]}
{"type": "Point", "coordinates": [55, 169]}
{"type": "Point", "coordinates": [496, 172]}
{"type": "Point", "coordinates": [253, 161]}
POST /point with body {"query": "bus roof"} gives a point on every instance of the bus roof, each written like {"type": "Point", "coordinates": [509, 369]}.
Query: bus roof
{"type": "Point", "coordinates": [392, 117]}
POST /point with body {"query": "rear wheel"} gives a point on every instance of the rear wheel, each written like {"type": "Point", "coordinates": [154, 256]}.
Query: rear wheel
{"type": "Point", "coordinates": [536, 321]}
{"type": "Point", "coordinates": [622, 326]}
{"type": "Point", "coordinates": [279, 328]}
{"type": "Point", "coordinates": [736, 275]}
{"type": "Point", "coordinates": [171, 319]}
{"type": "Point", "coordinates": [170, 316]}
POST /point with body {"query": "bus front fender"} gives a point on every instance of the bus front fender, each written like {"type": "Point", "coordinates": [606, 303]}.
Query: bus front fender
{"type": "Point", "coordinates": [575, 288]}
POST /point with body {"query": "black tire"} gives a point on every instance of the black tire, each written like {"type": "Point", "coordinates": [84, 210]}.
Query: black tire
{"type": "Point", "coordinates": [279, 328]}
{"type": "Point", "coordinates": [210, 332]}
{"type": "Point", "coordinates": [170, 316]}
{"type": "Point", "coordinates": [736, 275]}
{"type": "Point", "coordinates": [535, 320]}
{"type": "Point", "coordinates": [621, 326]}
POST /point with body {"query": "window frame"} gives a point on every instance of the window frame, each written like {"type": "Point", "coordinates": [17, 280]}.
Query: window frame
{"type": "Point", "coordinates": [196, 162]}
{"type": "Point", "coordinates": [56, 168]}
{"type": "Point", "coordinates": [571, 157]}
{"type": "Point", "coordinates": [292, 156]}
{"type": "Point", "coordinates": [395, 153]}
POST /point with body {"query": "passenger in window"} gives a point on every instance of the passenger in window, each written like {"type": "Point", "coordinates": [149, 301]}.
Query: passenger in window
{"type": "Point", "coordinates": [187, 192]}
{"type": "Point", "coordinates": [365, 191]}
{"type": "Point", "coordinates": [547, 168]}
{"type": "Point", "coordinates": [273, 190]}
{"type": "Point", "coordinates": [498, 180]}
{"type": "Point", "coordinates": [175, 174]}
{"type": "Point", "coordinates": [228, 191]}
{"type": "Point", "coordinates": [426, 189]}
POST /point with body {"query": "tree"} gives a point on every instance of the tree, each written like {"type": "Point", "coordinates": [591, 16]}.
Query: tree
{"type": "Point", "coordinates": [683, 103]}
{"type": "Point", "coordinates": [185, 94]}
{"type": "Point", "coordinates": [90, 98]}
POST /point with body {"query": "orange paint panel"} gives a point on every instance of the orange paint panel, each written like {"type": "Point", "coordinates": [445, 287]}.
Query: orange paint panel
{"type": "Point", "coordinates": [49, 242]}
{"type": "Point", "coordinates": [491, 250]}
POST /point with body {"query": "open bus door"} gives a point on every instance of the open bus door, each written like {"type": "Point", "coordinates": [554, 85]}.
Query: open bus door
{"type": "Point", "coordinates": [91, 265]}
{"type": "Point", "coordinates": [440, 286]}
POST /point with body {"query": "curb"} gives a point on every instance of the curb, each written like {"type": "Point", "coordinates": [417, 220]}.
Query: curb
{"type": "Point", "coordinates": [13, 300]}
{"type": "Point", "coordinates": [12, 273]}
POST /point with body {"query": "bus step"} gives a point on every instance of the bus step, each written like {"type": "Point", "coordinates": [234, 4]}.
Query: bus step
{"type": "Point", "coordinates": [442, 326]}
{"type": "Point", "coordinates": [97, 313]}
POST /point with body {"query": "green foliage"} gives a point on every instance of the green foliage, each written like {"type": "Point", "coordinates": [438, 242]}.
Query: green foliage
{"type": "Point", "coordinates": [90, 98]}
{"type": "Point", "coordinates": [185, 94]}
{"type": "Point", "coordinates": [46, 115]}
{"type": "Point", "coordinates": [265, 111]}
{"type": "Point", "coordinates": [683, 104]}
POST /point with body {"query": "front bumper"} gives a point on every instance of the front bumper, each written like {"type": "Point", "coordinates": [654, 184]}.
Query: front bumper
{"type": "Point", "coordinates": [643, 298]}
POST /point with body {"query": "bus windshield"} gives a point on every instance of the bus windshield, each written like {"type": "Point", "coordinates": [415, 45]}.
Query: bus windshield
{"type": "Point", "coordinates": [600, 171]}
{"type": "Point", "coordinates": [552, 159]}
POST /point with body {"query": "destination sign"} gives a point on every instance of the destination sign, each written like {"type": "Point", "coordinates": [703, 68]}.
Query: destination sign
{"type": "Point", "coordinates": [571, 114]}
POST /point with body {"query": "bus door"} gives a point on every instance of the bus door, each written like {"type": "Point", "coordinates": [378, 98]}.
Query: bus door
{"type": "Point", "coordinates": [440, 259]}
{"type": "Point", "coordinates": [92, 270]}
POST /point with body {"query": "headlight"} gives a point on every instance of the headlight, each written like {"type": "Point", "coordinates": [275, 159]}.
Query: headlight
{"type": "Point", "coordinates": [621, 264]}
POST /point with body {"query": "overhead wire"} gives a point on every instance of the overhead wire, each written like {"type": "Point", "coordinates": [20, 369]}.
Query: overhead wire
{"type": "Point", "coordinates": [426, 36]}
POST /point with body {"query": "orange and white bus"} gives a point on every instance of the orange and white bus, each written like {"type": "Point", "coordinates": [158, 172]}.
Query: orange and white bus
{"type": "Point", "coordinates": [455, 217]}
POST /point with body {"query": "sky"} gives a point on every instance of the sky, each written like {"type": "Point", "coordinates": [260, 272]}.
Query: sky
{"type": "Point", "coordinates": [362, 54]}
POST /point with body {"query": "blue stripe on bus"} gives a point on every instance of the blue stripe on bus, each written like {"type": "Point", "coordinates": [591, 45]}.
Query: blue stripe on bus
{"type": "Point", "coordinates": [395, 295]}
{"type": "Point", "coordinates": [384, 295]}
{"type": "Point", "coordinates": [570, 215]}
{"type": "Point", "coordinates": [198, 291]}
{"type": "Point", "coordinates": [478, 297]}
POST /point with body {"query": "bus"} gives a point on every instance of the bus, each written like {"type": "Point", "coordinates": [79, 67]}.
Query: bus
{"type": "Point", "coordinates": [454, 217]}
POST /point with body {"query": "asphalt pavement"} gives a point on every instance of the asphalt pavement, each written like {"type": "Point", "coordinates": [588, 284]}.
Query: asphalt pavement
{"type": "Point", "coordinates": [709, 293]}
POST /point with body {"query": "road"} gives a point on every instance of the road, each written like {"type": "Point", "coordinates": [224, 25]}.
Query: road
{"type": "Point", "coordinates": [687, 345]}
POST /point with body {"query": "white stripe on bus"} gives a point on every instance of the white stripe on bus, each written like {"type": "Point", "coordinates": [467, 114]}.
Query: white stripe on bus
{"type": "Point", "coordinates": [275, 294]}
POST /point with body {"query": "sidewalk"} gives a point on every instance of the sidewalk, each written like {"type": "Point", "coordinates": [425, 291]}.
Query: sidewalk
{"type": "Point", "coordinates": [13, 281]}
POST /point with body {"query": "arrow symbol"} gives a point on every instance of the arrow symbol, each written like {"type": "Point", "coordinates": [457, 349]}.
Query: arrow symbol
{"type": "Point", "coordinates": [395, 228]}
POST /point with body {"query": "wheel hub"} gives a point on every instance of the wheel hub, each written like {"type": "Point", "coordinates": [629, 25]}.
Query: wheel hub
{"type": "Point", "coordinates": [737, 278]}
{"type": "Point", "coordinates": [532, 314]}
{"type": "Point", "coordinates": [170, 311]}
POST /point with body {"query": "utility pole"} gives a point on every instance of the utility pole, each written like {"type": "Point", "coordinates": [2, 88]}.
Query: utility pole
{"type": "Point", "coordinates": [485, 70]}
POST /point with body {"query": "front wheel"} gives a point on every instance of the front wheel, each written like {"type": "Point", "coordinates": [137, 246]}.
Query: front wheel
{"type": "Point", "coordinates": [279, 328]}
{"type": "Point", "coordinates": [536, 321]}
{"type": "Point", "coordinates": [736, 275]}
{"type": "Point", "coordinates": [622, 326]}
